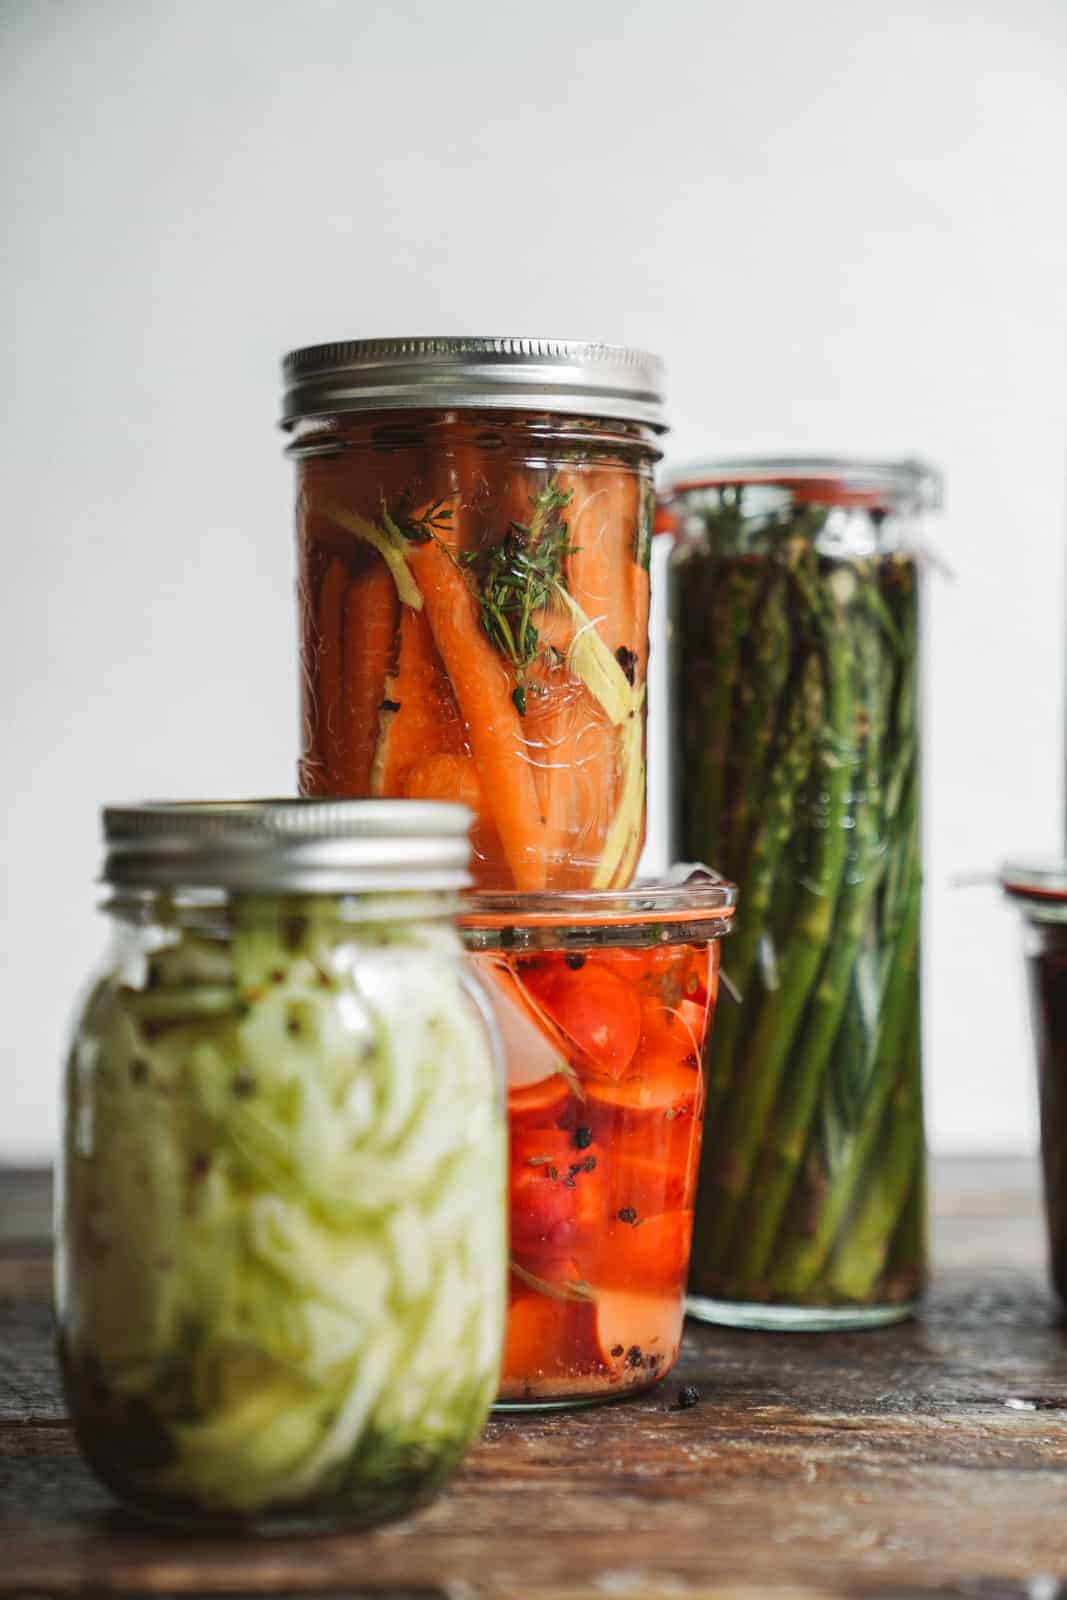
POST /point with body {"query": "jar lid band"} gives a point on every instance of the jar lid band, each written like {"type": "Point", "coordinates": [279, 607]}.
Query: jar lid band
{"type": "Point", "coordinates": [288, 846]}
{"type": "Point", "coordinates": [903, 485]}
{"type": "Point", "coordinates": [1041, 884]}
{"type": "Point", "coordinates": [554, 375]}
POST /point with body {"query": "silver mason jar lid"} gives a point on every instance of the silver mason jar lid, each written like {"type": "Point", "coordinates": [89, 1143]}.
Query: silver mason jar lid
{"type": "Point", "coordinates": [288, 846]}
{"type": "Point", "coordinates": [561, 375]}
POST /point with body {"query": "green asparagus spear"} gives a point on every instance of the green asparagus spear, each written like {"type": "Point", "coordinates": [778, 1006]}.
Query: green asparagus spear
{"type": "Point", "coordinates": [764, 672]}
{"type": "Point", "coordinates": [780, 805]}
{"type": "Point", "coordinates": [907, 1251]}
{"type": "Point", "coordinates": [853, 1055]}
{"type": "Point", "coordinates": [735, 586]}
{"type": "Point", "coordinates": [787, 779]}
{"type": "Point", "coordinates": [768, 1048]}
{"type": "Point", "coordinates": [863, 1247]}
{"type": "Point", "coordinates": [788, 1135]}
{"type": "Point", "coordinates": [792, 1122]}
{"type": "Point", "coordinates": [801, 1259]}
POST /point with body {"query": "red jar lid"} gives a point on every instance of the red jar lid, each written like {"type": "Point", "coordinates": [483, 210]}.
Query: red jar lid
{"type": "Point", "coordinates": [1041, 884]}
{"type": "Point", "coordinates": [900, 486]}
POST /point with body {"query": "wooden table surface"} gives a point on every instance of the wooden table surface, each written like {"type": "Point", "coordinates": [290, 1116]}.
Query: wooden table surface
{"type": "Point", "coordinates": [927, 1459]}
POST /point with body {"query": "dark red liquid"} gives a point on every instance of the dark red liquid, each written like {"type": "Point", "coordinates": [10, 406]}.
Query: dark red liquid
{"type": "Point", "coordinates": [1048, 995]}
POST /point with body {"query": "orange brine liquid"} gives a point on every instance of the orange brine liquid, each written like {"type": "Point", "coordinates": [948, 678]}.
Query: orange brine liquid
{"type": "Point", "coordinates": [605, 1052]}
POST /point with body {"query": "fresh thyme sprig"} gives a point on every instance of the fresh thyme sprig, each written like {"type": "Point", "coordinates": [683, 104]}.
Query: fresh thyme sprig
{"type": "Point", "coordinates": [433, 522]}
{"type": "Point", "coordinates": [518, 577]}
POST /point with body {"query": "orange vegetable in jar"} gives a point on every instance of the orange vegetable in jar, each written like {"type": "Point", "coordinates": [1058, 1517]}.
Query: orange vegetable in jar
{"type": "Point", "coordinates": [605, 1053]}
{"type": "Point", "coordinates": [596, 1010]}
{"type": "Point", "coordinates": [474, 590]}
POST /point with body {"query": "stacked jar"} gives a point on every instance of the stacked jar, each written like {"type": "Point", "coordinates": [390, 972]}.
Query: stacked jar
{"type": "Point", "coordinates": [474, 519]}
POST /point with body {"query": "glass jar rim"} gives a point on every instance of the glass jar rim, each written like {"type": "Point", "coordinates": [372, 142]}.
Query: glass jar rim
{"type": "Point", "coordinates": [691, 901]}
{"type": "Point", "coordinates": [901, 484]}
{"type": "Point", "coordinates": [288, 846]}
{"type": "Point", "coordinates": [1035, 884]}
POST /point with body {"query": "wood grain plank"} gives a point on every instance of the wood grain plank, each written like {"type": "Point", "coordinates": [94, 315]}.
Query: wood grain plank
{"type": "Point", "coordinates": [925, 1460]}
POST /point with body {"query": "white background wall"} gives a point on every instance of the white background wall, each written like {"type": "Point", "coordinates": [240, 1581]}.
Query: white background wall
{"type": "Point", "coordinates": [843, 224]}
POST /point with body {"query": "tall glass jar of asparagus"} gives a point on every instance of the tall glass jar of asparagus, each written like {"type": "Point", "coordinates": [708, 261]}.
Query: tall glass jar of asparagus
{"type": "Point", "coordinates": [794, 617]}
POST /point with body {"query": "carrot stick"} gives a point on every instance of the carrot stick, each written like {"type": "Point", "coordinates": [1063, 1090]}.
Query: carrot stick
{"type": "Point", "coordinates": [542, 700]}
{"type": "Point", "coordinates": [483, 688]}
{"type": "Point", "coordinates": [587, 567]}
{"type": "Point", "coordinates": [328, 687]}
{"type": "Point", "coordinates": [591, 585]}
{"type": "Point", "coordinates": [596, 772]}
{"type": "Point", "coordinates": [639, 611]}
{"type": "Point", "coordinates": [603, 573]}
{"type": "Point", "coordinates": [445, 776]}
{"type": "Point", "coordinates": [619, 532]}
{"type": "Point", "coordinates": [369, 644]}
{"type": "Point", "coordinates": [550, 725]}
{"type": "Point", "coordinates": [418, 714]}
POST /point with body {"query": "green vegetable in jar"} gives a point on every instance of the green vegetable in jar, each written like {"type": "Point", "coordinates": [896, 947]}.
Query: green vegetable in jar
{"type": "Point", "coordinates": [283, 1211]}
{"type": "Point", "coordinates": [795, 618]}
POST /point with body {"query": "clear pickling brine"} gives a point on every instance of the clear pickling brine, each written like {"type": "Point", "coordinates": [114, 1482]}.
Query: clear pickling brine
{"type": "Point", "coordinates": [281, 1226]}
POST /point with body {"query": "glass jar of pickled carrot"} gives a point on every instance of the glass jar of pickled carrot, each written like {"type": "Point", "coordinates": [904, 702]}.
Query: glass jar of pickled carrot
{"type": "Point", "coordinates": [473, 526]}
{"type": "Point", "coordinates": [605, 1005]}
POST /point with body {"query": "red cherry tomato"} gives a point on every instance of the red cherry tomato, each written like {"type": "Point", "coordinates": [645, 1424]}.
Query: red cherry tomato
{"type": "Point", "coordinates": [549, 1339]}
{"type": "Point", "coordinates": [654, 1112]}
{"type": "Point", "coordinates": [543, 1203]}
{"type": "Point", "coordinates": [598, 1010]}
{"type": "Point", "coordinates": [647, 1257]}
{"type": "Point", "coordinates": [671, 1036]}
{"type": "Point", "coordinates": [540, 1105]}
{"type": "Point", "coordinates": [632, 1182]}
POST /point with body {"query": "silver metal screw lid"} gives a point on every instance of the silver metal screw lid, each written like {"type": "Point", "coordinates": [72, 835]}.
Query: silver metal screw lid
{"type": "Point", "coordinates": [561, 375]}
{"type": "Point", "coordinates": [288, 846]}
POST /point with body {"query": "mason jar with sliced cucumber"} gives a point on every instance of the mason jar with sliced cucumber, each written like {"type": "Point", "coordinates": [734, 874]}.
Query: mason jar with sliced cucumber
{"type": "Point", "coordinates": [282, 1254]}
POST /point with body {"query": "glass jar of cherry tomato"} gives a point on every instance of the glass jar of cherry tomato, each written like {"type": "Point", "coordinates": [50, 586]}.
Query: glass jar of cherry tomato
{"type": "Point", "coordinates": [473, 525]}
{"type": "Point", "coordinates": [605, 1004]}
